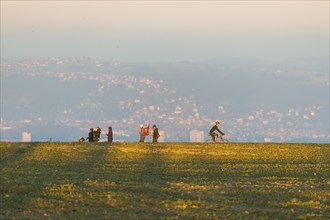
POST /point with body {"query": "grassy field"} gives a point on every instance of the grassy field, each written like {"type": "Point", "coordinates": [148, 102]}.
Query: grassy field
{"type": "Point", "coordinates": [164, 181]}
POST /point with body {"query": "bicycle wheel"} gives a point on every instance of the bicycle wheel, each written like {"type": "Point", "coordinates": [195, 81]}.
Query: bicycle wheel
{"type": "Point", "coordinates": [208, 141]}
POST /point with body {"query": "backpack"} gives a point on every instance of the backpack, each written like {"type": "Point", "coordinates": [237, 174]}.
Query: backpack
{"type": "Point", "coordinates": [146, 131]}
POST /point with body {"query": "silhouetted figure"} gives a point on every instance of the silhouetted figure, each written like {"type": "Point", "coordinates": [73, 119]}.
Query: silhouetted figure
{"type": "Point", "coordinates": [155, 134]}
{"type": "Point", "coordinates": [109, 134]}
{"type": "Point", "coordinates": [215, 128]}
{"type": "Point", "coordinates": [91, 135]}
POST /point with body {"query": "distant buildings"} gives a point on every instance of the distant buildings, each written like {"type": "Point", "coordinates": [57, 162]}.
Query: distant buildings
{"type": "Point", "coordinates": [268, 140]}
{"type": "Point", "coordinates": [26, 137]}
{"type": "Point", "coordinates": [196, 136]}
{"type": "Point", "coordinates": [144, 98]}
{"type": "Point", "coordinates": [162, 136]}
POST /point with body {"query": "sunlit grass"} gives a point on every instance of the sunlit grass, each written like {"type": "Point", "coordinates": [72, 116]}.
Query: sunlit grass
{"type": "Point", "coordinates": [164, 181]}
{"type": "Point", "coordinates": [56, 153]}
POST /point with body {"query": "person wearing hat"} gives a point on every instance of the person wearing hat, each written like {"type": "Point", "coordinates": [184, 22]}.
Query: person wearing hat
{"type": "Point", "coordinates": [155, 134]}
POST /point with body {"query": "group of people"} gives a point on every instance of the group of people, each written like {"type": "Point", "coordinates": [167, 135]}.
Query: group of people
{"type": "Point", "coordinates": [94, 134]}
{"type": "Point", "coordinates": [144, 132]}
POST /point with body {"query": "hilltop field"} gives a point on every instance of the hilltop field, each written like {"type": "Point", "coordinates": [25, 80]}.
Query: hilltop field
{"type": "Point", "coordinates": [164, 181]}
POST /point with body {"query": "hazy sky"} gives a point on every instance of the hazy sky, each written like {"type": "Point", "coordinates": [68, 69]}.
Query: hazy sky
{"type": "Point", "coordinates": [163, 31]}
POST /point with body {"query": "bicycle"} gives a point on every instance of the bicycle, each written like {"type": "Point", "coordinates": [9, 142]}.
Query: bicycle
{"type": "Point", "coordinates": [219, 139]}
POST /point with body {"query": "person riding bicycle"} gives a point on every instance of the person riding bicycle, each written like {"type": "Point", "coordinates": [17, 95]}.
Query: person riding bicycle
{"type": "Point", "coordinates": [215, 128]}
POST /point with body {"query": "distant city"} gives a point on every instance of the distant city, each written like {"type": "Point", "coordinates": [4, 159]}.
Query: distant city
{"type": "Point", "coordinates": [60, 99]}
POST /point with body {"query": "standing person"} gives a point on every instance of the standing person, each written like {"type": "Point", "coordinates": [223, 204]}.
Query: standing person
{"type": "Point", "coordinates": [144, 131]}
{"type": "Point", "coordinates": [91, 135]}
{"type": "Point", "coordinates": [215, 128]}
{"type": "Point", "coordinates": [109, 134]}
{"type": "Point", "coordinates": [97, 134]}
{"type": "Point", "coordinates": [155, 134]}
{"type": "Point", "coordinates": [141, 132]}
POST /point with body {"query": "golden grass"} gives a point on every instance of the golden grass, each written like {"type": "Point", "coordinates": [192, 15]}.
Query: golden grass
{"type": "Point", "coordinates": [164, 181]}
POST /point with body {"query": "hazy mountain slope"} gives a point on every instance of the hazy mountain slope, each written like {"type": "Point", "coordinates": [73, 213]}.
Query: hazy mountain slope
{"type": "Point", "coordinates": [63, 98]}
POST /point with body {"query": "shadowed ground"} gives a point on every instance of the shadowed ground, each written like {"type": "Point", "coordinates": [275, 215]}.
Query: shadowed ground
{"type": "Point", "coordinates": [164, 181]}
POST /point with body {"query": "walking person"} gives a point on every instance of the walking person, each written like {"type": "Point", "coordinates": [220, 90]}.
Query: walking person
{"type": "Point", "coordinates": [155, 134]}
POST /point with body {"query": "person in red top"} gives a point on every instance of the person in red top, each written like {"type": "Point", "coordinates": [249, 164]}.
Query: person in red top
{"type": "Point", "coordinates": [144, 131]}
